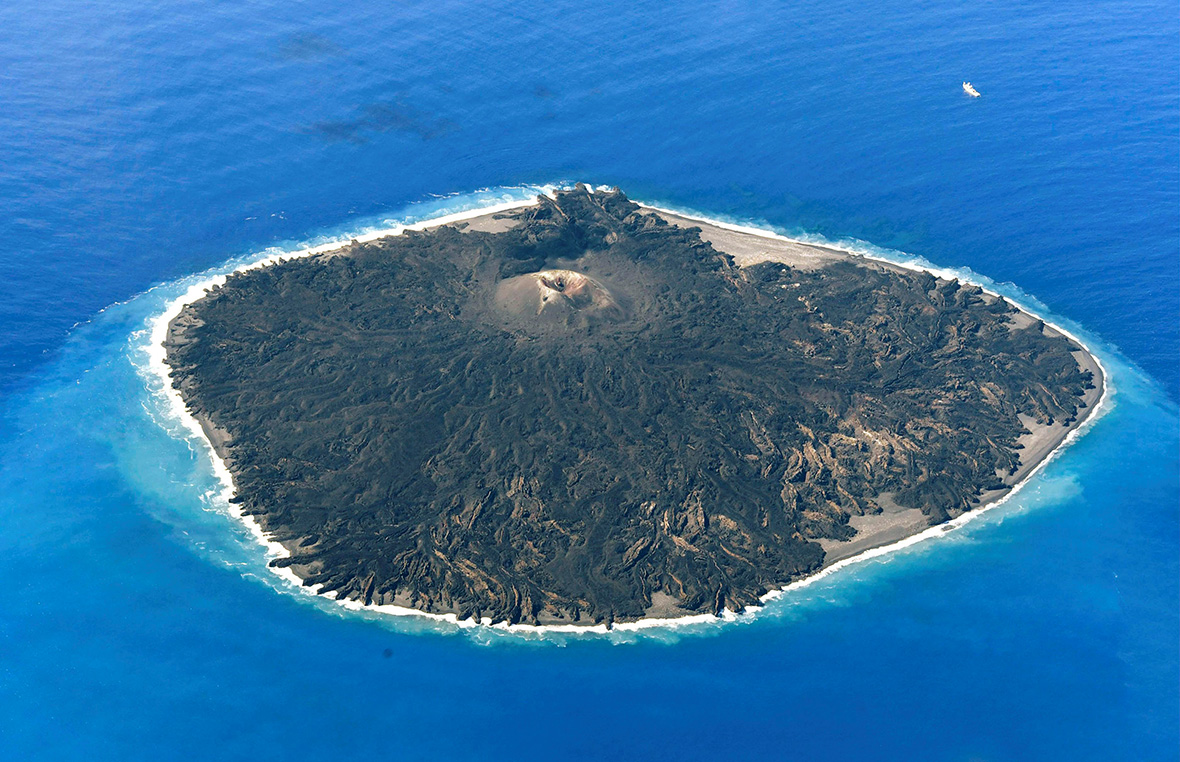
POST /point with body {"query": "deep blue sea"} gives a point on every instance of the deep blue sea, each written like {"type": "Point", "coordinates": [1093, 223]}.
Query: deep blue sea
{"type": "Point", "coordinates": [144, 143]}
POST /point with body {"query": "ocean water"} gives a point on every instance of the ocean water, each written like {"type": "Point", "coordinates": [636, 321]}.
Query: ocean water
{"type": "Point", "coordinates": [141, 146]}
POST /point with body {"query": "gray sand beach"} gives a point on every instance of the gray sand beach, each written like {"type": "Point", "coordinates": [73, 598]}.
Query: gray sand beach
{"type": "Point", "coordinates": [895, 522]}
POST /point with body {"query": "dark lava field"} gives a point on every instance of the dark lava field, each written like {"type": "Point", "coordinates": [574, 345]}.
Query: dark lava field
{"type": "Point", "coordinates": [591, 407]}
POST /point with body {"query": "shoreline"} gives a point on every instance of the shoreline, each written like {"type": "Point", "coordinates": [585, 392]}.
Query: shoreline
{"type": "Point", "coordinates": [160, 328]}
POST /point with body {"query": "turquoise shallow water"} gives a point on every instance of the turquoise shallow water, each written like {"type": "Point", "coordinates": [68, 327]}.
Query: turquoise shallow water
{"type": "Point", "coordinates": [138, 147]}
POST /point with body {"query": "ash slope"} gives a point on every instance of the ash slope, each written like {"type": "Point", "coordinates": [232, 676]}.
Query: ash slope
{"type": "Point", "coordinates": [591, 414]}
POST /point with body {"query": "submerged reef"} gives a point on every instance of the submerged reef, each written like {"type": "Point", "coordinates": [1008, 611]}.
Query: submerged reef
{"type": "Point", "coordinates": [579, 412]}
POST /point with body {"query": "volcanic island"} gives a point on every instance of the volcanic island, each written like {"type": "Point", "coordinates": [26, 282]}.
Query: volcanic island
{"type": "Point", "coordinates": [586, 411]}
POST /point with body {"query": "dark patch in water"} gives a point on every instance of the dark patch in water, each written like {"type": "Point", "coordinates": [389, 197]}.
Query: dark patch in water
{"type": "Point", "coordinates": [308, 47]}
{"type": "Point", "coordinates": [384, 117]}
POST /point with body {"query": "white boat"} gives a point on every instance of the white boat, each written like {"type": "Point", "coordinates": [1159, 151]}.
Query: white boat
{"type": "Point", "coordinates": [967, 88]}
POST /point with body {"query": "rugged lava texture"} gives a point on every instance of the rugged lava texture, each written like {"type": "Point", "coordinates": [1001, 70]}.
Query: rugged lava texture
{"type": "Point", "coordinates": [561, 420]}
